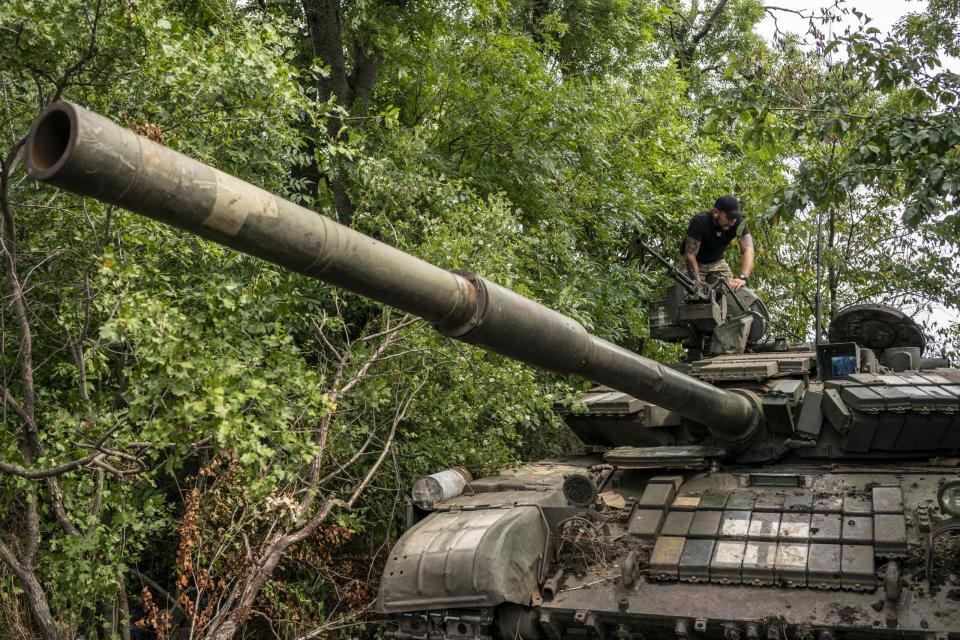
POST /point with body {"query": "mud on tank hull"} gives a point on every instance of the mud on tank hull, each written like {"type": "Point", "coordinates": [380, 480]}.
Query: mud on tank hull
{"type": "Point", "coordinates": [777, 552]}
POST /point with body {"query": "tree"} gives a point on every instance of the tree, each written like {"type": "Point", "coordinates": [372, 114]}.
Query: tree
{"type": "Point", "coordinates": [887, 109]}
{"type": "Point", "coordinates": [864, 132]}
{"type": "Point", "coordinates": [154, 383]}
{"type": "Point", "coordinates": [75, 518]}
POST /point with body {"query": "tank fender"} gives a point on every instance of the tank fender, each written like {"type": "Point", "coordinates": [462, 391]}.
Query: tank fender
{"type": "Point", "coordinates": [466, 558]}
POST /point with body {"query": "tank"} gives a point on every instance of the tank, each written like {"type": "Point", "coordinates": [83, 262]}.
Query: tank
{"type": "Point", "coordinates": [756, 490]}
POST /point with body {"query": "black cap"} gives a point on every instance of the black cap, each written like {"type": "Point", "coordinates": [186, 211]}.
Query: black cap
{"type": "Point", "coordinates": [729, 205]}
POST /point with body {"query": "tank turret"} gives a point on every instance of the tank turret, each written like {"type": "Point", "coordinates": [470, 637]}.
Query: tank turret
{"type": "Point", "coordinates": [711, 319]}
{"type": "Point", "coordinates": [758, 489]}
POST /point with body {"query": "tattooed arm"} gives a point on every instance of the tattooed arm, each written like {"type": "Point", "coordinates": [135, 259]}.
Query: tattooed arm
{"type": "Point", "coordinates": [746, 254]}
{"type": "Point", "coordinates": [746, 261]}
{"type": "Point", "coordinates": [691, 247]}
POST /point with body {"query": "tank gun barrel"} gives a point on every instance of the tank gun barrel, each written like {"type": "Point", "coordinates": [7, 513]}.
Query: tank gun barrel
{"type": "Point", "coordinates": [87, 154]}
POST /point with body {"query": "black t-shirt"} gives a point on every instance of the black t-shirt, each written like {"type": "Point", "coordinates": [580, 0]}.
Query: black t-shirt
{"type": "Point", "coordinates": [713, 241]}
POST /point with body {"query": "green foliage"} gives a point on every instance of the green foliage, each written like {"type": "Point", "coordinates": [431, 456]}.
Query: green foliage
{"type": "Point", "coordinates": [884, 117]}
{"type": "Point", "coordinates": [588, 37]}
{"type": "Point", "coordinates": [531, 142]}
{"type": "Point", "coordinates": [869, 141]}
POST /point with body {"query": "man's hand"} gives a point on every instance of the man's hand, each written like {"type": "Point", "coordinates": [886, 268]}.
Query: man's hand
{"type": "Point", "coordinates": [699, 294]}
{"type": "Point", "coordinates": [736, 283]}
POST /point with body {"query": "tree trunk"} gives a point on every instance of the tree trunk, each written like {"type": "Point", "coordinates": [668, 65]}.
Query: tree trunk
{"type": "Point", "coordinates": [30, 444]}
{"type": "Point", "coordinates": [228, 628]}
{"type": "Point", "coordinates": [324, 22]}
{"type": "Point", "coordinates": [36, 597]}
{"type": "Point", "coordinates": [326, 36]}
{"type": "Point", "coordinates": [831, 266]}
{"type": "Point", "coordinates": [37, 600]}
{"type": "Point", "coordinates": [260, 573]}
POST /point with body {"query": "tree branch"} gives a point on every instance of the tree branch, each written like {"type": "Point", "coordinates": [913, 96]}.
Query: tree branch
{"type": "Point", "coordinates": [172, 602]}
{"type": "Point", "coordinates": [36, 474]}
{"type": "Point", "coordinates": [8, 244]}
{"type": "Point", "coordinates": [243, 596]}
{"type": "Point", "coordinates": [708, 25]}
{"type": "Point", "coordinates": [36, 598]}
{"type": "Point", "coordinates": [389, 337]}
